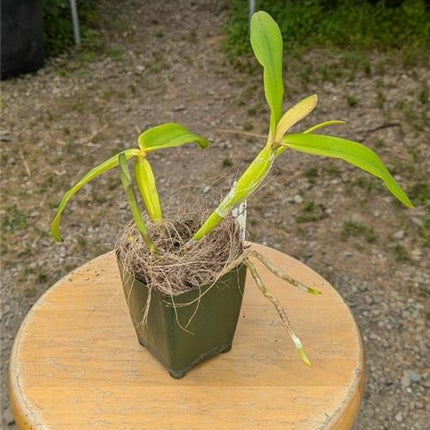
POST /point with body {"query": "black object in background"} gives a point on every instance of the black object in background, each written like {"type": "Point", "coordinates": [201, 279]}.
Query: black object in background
{"type": "Point", "coordinates": [21, 37]}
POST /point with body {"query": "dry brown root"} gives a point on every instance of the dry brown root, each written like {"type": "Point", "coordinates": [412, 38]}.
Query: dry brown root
{"type": "Point", "coordinates": [281, 311]}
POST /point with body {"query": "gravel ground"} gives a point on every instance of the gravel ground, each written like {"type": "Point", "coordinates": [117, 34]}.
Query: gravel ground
{"type": "Point", "coordinates": [163, 62]}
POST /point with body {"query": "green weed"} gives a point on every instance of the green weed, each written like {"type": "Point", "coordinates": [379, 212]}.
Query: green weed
{"type": "Point", "coordinates": [14, 219]}
{"type": "Point", "coordinates": [400, 253]}
{"type": "Point", "coordinates": [420, 193]}
{"type": "Point", "coordinates": [352, 101]}
{"type": "Point", "coordinates": [227, 162]}
{"type": "Point", "coordinates": [357, 229]}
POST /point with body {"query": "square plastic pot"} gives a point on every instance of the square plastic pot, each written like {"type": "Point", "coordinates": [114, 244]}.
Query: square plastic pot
{"type": "Point", "coordinates": [210, 331]}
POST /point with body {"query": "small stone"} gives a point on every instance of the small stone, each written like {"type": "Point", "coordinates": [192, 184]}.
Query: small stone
{"type": "Point", "coordinates": [406, 382]}
{"type": "Point", "coordinates": [399, 235]}
{"type": "Point", "coordinates": [206, 189]}
{"type": "Point", "coordinates": [418, 221]}
{"type": "Point", "coordinates": [416, 254]}
{"type": "Point", "coordinates": [409, 376]}
{"type": "Point", "coordinates": [179, 108]}
{"type": "Point", "coordinates": [8, 417]}
{"type": "Point", "coordinates": [399, 417]}
{"type": "Point", "coordinates": [413, 376]}
{"type": "Point", "coordinates": [368, 299]}
{"type": "Point", "coordinates": [298, 199]}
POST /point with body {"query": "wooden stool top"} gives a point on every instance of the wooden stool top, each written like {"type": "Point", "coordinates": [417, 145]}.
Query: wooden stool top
{"type": "Point", "coordinates": [76, 363]}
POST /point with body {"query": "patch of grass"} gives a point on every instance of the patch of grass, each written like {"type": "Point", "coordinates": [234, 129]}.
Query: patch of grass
{"type": "Point", "coordinates": [400, 253]}
{"type": "Point", "coordinates": [420, 193]}
{"type": "Point", "coordinates": [311, 212]}
{"type": "Point", "coordinates": [82, 241]}
{"type": "Point", "coordinates": [380, 100]}
{"type": "Point", "coordinates": [423, 96]}
{"type": "Point", "coordinates": [357, 229]}
{"type": "Point", "coordinates": [248, 126]}
{"type": "Point", "coordinates": [332, 170]}
{"type": "Point", "coordinates": [309, 206]}
{"type": "Point", "coordinates": [14, 219]}
{"type": "Point", "coordinates": [30, 292]}
{"type": "Point", "coordinates": [425, 231]}
{"type": "Point", "coordinates": [312, 174]}
{"type": "Point", "coordinates": [99, 197]}
{"type": "Point", "coordinates": [42, 277]}
{"type": "Point", "coordinates": [227, 162]}
{"type": "Point", "coordinates": [379, 143]}
{"type": "Point", "coordinates": [343, 23]}
{"type": "Point", "coordinates": [115, 54]}
{"type": "Point", "coordinates": [352, 101]}
{"type": "Point", "coordinates": [331, 72]}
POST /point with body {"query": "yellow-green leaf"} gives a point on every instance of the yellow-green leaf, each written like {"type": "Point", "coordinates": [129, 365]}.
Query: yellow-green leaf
{"type": "Point", "coordinates": [294, 115]}
{"type": "Point", "coordinates": [168, 135]}
{"type": "Point", "coordinates": [132, 201]}
{"type": "Point", "coordinates": [93, 173]}
{"type": "Point", "coordinates": [352, 152]}
{"type": "Point", "coordinates": [148, 189]}
{"type": "Point", "coordinates": [266, 42]}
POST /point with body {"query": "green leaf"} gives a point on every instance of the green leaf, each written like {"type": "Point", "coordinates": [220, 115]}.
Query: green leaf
{"type": "Point", "coordinates": [266, 42]}
{"type": "Point", "coordinates": [132, 201]}
{"type": "Point", "coordinates": [352, 152]}
{"type": "Point", "coordinates": [169, 135]}
{"type": "Point", "coordinates": [93, 173]}
{"type": "Point", "coordinates": [324, 124]}
{"type": "Point", "coordinates": [314, 128]}
{"type": "Point", "coordinates": [148, 189]}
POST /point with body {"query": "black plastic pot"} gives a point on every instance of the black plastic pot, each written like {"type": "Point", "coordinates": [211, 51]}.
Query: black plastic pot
{"type": "Point", "coordinates": [212, 327]}
{"type": "Point", "coordinates": [21, 37]}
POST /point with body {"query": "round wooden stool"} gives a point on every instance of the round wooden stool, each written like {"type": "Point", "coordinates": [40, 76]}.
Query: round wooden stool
{"type": "Point", "coordinates": [76, 363]}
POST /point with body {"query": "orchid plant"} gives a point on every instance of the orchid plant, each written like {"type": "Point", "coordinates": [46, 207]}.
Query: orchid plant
{"type": "Point", "coordinates": [266, 41]}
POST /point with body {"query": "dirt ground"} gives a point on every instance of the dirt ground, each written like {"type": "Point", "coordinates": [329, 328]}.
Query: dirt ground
{"type": "Point", "coordinates": [161, 62]}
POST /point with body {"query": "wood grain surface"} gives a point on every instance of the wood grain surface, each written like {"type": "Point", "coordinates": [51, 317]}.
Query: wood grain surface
{"type": "Point", "coordinates": [76, 363]}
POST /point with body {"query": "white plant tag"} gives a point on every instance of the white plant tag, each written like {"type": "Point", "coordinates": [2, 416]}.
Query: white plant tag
{"type": "Point", "coordinates": [239, 212]}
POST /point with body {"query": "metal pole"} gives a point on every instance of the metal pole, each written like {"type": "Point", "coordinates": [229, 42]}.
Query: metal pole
{"type": "Point", "coordinates": [251, 7]}
{"type": "Point", "coordinates": [75, 21]}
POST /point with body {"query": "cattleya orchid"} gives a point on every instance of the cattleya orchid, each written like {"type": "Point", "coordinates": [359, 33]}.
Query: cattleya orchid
{"type": "Point", "coordinates": [266, 41]}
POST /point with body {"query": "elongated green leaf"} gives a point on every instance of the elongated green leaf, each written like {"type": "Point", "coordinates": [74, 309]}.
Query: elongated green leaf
{"type": "Point", "coordinates": [93, 173]}
{"type": "Point", "coordinates": [266, 42]}
{"type": "Point", "coordinates": [302, 109]}
{"type": "Point", "coordinates": [169, 135]}
{"type": "Point", "coordinates": [148, 189]}
{"type": "Point", "coordinates": [132, 201]}
{"type": "Point", "coordinates": [314, 128]}
{"type": "Point", "coordinates": [324, 124]}
{"type": "Point", "coordinates": [352, 152]}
